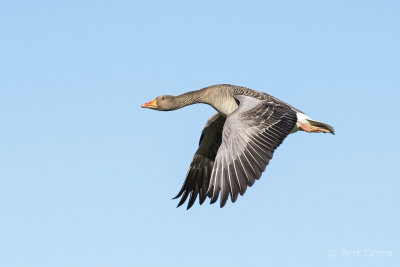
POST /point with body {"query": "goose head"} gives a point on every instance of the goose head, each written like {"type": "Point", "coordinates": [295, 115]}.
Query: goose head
{"type": "Point", "coordinates": [163, 103]}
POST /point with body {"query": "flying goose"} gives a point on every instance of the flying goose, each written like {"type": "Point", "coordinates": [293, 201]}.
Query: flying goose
{"type": "Point", "coordinates": [238, 142]}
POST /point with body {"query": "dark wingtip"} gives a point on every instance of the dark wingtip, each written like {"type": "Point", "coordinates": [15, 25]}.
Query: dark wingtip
{"type": "Point", "coordinates": [192, 199]}
{"type": "Point", "coordinates": [213, 200]}
{"type": "Point", "coordinates": [183, 199]}
{"type": "Point", "coordinates": [209, 191]}
{"type": "Point", "coordinates": [234, 197]}
{"type": "Point", "coordinates": [178, 195]}
{"type": "Point", "coordinates": [222, 204]}
{"type": "Point", "coordinates": [242, 191]}
{"type": "Point", "coordinates": [202, 197]}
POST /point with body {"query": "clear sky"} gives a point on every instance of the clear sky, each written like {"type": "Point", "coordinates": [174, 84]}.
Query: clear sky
{"type": "Point", "coordinates": [87, 176]}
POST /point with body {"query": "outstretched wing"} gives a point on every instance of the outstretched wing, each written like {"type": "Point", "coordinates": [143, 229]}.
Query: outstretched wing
{"type": "Point", "coordinates": [250, 136]}
{"type": "Point", "coordinates": [199, 173]}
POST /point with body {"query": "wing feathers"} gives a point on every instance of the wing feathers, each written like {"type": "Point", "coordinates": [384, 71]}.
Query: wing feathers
{"type": "Point", "coordinates": [198, 177]}
{"type": "Point", "coordinates": [250, 136]}
{"type": "Point", "coordinates": [231, 158]}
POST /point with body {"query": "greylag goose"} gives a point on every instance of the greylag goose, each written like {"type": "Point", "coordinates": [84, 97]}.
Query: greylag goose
{"type": "Point", "coordinates": [238, 142]}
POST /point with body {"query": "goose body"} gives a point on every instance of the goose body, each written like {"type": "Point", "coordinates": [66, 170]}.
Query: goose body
{"type": "Point", "coordinates": [237, 142]}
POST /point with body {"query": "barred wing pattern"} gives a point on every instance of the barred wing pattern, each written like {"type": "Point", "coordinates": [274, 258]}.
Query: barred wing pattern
{"type": "Point", "coordinates": [250, 136]}
{"type": "Point", "coordinates": [199, 173]}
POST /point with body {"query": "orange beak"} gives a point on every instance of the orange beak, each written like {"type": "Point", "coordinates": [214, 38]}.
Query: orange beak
{"type": "Point", "coordinates": [151, 104]}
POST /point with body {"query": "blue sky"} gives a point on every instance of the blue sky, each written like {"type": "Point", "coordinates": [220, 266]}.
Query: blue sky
{"type": "Point", "coordinates": [87, 176]}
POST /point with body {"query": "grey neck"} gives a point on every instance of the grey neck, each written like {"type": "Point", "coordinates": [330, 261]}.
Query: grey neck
{"type": "Point", "coordinates": [219, 97]}
{"type": "Point", "coordinates": [190, 98]}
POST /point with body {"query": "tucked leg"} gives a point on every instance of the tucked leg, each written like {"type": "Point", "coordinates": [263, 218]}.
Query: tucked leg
{"type": "Point", "coordinates": [313, 129]}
